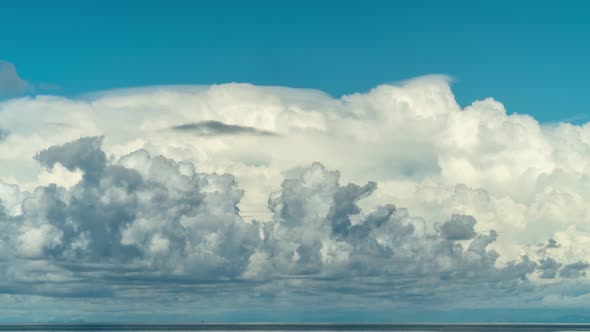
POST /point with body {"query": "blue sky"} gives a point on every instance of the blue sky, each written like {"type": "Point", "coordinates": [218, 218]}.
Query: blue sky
{"type": "Point", "coordinates": [530, 55]}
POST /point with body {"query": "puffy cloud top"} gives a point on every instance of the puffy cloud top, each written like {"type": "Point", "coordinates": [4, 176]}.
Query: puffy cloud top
{"type": "Point", "coordinates": [495, 204]}
{"type": "Point", "coordinates": [162, 222]}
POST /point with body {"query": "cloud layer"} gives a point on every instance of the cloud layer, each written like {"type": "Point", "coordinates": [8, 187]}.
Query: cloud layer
{"type": "Point", "coordinates": [154, 222]}
{"type": "Point", "coordinates": [431, 203]}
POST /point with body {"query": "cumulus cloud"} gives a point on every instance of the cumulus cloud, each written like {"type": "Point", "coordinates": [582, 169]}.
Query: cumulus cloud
{"type": "Point", "coordinates": [483, 186]}
{"type": "Point", "coordinates": [156, 219]}
{"type": "Point", "coordinates": [11, 85]}
{"type": "Point", "coordinates": [141, 214]}
{"type": "Point", "coordinates": [312, 234]}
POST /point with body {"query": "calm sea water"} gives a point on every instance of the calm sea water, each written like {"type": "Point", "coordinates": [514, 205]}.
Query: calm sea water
{"type": "Point", "coordinates": [299, 327]}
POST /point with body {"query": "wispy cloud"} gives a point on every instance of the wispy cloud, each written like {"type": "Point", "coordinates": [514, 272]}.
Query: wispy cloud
{"type": "Point", "coordinates": [11, 85]}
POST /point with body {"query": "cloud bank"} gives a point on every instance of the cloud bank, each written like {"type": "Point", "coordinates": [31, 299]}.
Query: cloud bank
{"type": "Point", "coordinates": [276, 195]}
{"type": "Point", "coordinates": [160, 222]}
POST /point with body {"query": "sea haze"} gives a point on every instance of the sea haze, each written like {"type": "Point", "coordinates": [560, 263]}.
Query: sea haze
{"type": "Point", "coordinates": [300, 327]}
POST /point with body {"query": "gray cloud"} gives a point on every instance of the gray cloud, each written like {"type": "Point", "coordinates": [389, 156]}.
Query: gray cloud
{"type": "Point", "coordinates": [552, 244]}
{"type": "Point", "coordinates": [574, 270]}
{"type": "Point", "coordinates": [145, 216]}
{"type": "Point", "coordinates": [545, 248]}
{"type": "Point", "coordinates": [548, 268]}
{"type": "Point", "coordinates": [11, 85]}
{"type": "Point", "coordinates": [312, 234]}
{"type": "Point", "coordinates": [459, 227]}
{"type": "Point", "coordinates": [151, 222]}
{"type": "Point", "coordinates": [213, 128]}
{"type": "Point", "coordinates": [3, 134]}
{"type": "Point", "coordinates": [84, 154]}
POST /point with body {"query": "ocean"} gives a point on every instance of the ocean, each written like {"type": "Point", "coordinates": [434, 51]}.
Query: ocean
{"type": "Point", "coordinates": [300, 327]}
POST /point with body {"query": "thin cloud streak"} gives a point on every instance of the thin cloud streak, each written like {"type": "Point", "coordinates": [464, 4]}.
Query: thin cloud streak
{"type": "Point", "coordinates": [215, 128]}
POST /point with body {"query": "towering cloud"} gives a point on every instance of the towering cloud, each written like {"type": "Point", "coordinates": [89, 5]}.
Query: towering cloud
{"type": "Point", "coordinates": [159, 223]}
{"type": "Point", "coordinates": [489, 204]}
{"type": "Point", "coordinates": [140, 215]}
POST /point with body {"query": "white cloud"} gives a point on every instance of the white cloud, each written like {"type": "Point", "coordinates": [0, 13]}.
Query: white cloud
{"type": "Point", "coordinates": [526, 181]}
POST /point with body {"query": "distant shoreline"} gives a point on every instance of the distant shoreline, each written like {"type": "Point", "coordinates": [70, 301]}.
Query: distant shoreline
{"type": "Point", "coordinates": [454, 327]}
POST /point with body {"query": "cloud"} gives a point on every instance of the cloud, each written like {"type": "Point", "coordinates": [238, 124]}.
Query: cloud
{"type": "Point", "coordinates": [141, 211]}
{"type": "Point", "coordinates": [152, 221]}
{"type": "Point", "coordinates": [549, 268]}
{"type": "Point", "coordinates": [11, 85]}
{"type": "Point", "coordinates": [3, 134]}
{"type": "Point", "coordinates": [574, 270]}
{"type": "Point", "coordinates": [459, 228]}
{"type": "Point", "coordinates": [480, 189]}
{"type": "Point", "coordinates": [312, 235]}
{"type": "Point", "coordinates": [552, 244]}
{"type": "Point", "coordinates": [212, 128]}
{"type": "Point", "coordinates": [84, 154]}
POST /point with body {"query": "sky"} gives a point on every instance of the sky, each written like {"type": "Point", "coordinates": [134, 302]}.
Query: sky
{"type": "Point", "coordinates": [529, 54]}
{"type": "Point", "coordinates": [375, 161]}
